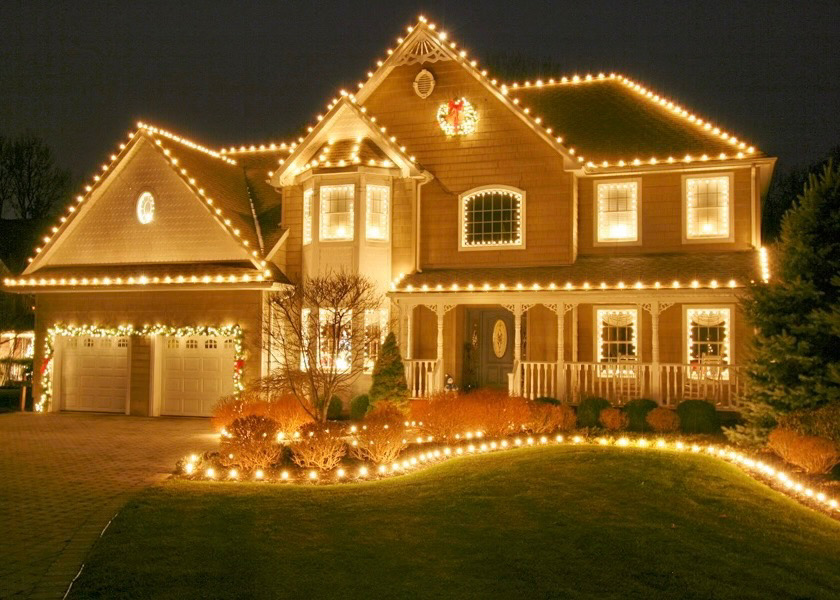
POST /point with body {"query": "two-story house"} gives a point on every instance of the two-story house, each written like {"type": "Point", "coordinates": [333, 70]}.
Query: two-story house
{"type": "Point", "coordinates": [556, 237]}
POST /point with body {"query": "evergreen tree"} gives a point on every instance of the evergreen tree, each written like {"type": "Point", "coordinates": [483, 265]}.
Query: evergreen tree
{"type": "Point", "coordinates": [389, 374]}
{"type": "Point", "coordinates": [795, 362]}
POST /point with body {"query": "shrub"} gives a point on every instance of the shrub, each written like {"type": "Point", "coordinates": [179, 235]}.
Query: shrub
{"type": "Point", "coordinates": [813, 454]}
{"type": "Point", "coordinates": [550, 417]}
{"type": "Point", "coordinates": [637, 410]}
{"type": "Point", "coordinates": [698, 416]}
{"type": "Point", "coordinates": [822, 422]}
{"type": "Point", "coordinates": [548, 400]}
{"type": "Point", "coordinates": [386, 412]}
{"type": "Point", "coordinates": [590, 409]}
{"type": "Point", "coordinates": [441, 415]}
{"type": "Point", "coordinates": [335, 408]}
{"type": "Point", "coordinates": [491, 411]}
{"type": "Point", "coordinates": [251, 444]}
{"type": "Point", "coordinates": [284, 409]}
{"type": "Point", "coordinates": [614, 419]}
{"type": "Point", "coordinates": [663, 420]}
{"type": "Point", "coordinates": [383, 437]}
{"type": "Point", "coordinates": [359, 407]}
{"type": "Point", "coordinates": [227, 409]}
{"type": "Point", "coordinates": [287, 412]}
{"type": "Point", "coordinates": [318, 448]}
{"type": "Point", "coordinates": [388, 381]}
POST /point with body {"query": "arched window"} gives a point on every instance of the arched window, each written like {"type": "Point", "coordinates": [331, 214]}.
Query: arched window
{"type": "Point", "coordinates": [492, 217]}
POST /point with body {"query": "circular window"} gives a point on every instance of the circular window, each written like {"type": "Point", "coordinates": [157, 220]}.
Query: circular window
{"type": "Point", "coordinates": [145, 208]}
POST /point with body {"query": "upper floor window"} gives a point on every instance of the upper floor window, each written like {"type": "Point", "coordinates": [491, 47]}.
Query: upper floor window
{"type": "Point", "coordinates": [491, 217]}
{"type": "Point", "coordinates": [708, 208]}
{"type": "Point", "coordinates": [307, 216]}
{"type": "Point", "coordinates": [337, 221]}
{"type": "Point", "coordinates": [617, 212]}
{"type": "Point", "coordinates": [376, 222]}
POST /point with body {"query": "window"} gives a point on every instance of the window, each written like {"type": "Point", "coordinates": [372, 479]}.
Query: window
{"type": "Point", "coordinates": [708, 208]}
{"type": "Point", "coordinates": [617, 329]}
{"type": "Point", "coordinates": [377, 212]}
{"type": "Point", "coordinates": [328, 339]}
{"type": "Point", "coordinates": [210, 344]}
{"type": "Point", "coordinates": [172, 343]}
{"type": "Point", "coordinates": [72, 342]}
{"type": "Point", "coordinates": [617, 212]}
{"type": "Point", "coordinates": [492, 217]}
{"type": "Point", "coordinates": [337, 212]}
{"type": "Point", "coordinates": [122, 342]}
{"type": "Point", "coordinates": [88, 342]}
{"type": "Point", "coordinates": [708, 335]}
{"type": "Point", "coordinates": [376, 325]}
{"type": "Point", "coordinates": [228, 344]}
{"type": "Point", "coordinates": [105, 343]}
{"type": "Point", "coordinates": [192, 344]}
{"type": "Point", "coordinates": [307, 216]}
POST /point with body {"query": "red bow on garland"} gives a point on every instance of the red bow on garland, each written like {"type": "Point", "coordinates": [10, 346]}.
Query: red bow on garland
{"type": "Point", "coordinates": [45, 364]}
{"type": "Point", "coordinates": [454, 116]}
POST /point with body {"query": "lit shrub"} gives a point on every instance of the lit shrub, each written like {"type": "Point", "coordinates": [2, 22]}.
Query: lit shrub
{"type": "Point", "coordinates": [335, 408]}
{"type": "Point", "coordinates": [815, 455]}
{"type": "Point", "coordinates": [495, 413]}
{"type": "Point", "coordinates": [283, 408]}
{"type": "Point", "coordinates": [613, 419]}
{"type": "Point", "coordinates": [698, 416]}
{"type": "Point", "coordinates": [383, 436]}
{"type": "Point", "coordinates": [590, 409]}
{"type": "Point", "coordinates": [663, 420]}
{"type": "Point", "coordinates": [251, 444]}
{"type": "Point", "coordinates": [442, 415]}
{"type": "Point", "coordinates": [287, 412]}
{"type": "Point", "coordinates": [319, 448]}
{"type": "Point", "coordinates": [822, 422]}
{"type": "Point", "coordinates": [226, 410]}
{"type": "Point", "coordinates": [637, 410]}
{"type": "Point", "coordinates": [359, 407]}
{"type": "Point", "coordinates": [386, 412]}
{"type": "Point", "coordinates": [548, 417]}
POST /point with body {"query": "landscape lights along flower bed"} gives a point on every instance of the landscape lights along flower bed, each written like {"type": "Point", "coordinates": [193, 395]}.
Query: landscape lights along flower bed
{"type": "Point", "coordinates": [228, 331]}
{"type": "Point", "coordinates": [196, 467]}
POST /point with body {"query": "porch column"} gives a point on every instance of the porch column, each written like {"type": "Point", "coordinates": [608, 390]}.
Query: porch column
{"type": "Point", "coordinates": [439, 309]}
{"type": "Point", "coordinates": [409, 333]}
{"type": "Point", "coordinates": [561, 351]}
{"type": "Point", "coordinates": [574, 333]}
{"type": "Point", "coordinates": [517, 310]}
{"type": "Point", "coordinates": [654, 351]}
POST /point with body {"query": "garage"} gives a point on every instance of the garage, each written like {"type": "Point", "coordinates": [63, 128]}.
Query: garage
{"type": "Point", "coordinates": [94, 374]}
{"type": "Point", "coordinates": [197, 371]}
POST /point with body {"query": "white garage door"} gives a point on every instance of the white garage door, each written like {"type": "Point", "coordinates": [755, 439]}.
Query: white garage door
{"type": "Point", "coordinates": [94, 374]}
{"type": "Point", "coordinates": [197, 371]}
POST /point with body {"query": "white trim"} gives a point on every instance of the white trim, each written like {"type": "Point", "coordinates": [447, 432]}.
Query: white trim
{"type": "Point", "coordinates": [730, 333]}
{"type": "Point", "coordinates": [714, 239]}
{"type": "Point", "coordinates": [597, 212]}
{"type": "Point", "coordinates": [386, 234]}
{"type": "Point", "coordinates": [308, 195]}
{"type": "Point", "coordinates": [462, 199]}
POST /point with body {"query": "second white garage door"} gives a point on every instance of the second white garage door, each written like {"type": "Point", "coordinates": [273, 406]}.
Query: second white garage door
{"type": "Point", "coordinates": [197, 371]}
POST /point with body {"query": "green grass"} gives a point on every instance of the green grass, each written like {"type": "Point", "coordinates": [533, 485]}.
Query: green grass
{"type": "Point", "coordinates": [554, 522]}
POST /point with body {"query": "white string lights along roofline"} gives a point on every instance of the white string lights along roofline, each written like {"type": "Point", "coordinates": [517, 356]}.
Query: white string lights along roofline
{"type": "Point", "coordinates": [569, 286]}
{"type": "Point", "coordinates": [139, 280]}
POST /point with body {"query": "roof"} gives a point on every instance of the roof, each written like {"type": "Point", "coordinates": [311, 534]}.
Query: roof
{"type": "Point", "coordinates": [611, 118]}
{"type": "Point", "coordinates": [708, 269]}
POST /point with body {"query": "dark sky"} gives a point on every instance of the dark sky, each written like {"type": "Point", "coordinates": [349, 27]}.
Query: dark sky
{"type": "Point", "coordinates": [81, 74]}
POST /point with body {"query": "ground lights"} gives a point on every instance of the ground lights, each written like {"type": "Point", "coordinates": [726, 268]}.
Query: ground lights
{"type": "Point", "coordinates": [228, 331]}
{"type": "Point", "coordinates": [475, 443]}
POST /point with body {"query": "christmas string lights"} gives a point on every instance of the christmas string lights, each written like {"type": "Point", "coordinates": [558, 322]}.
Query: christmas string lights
{"type": "Point", "coordinates": [139, 280]}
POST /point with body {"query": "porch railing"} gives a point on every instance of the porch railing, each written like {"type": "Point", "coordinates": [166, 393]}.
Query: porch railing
{"type": "Point", "coordinates": [421, 375]}
{"type": "Point", "coordinates": [536, 379]}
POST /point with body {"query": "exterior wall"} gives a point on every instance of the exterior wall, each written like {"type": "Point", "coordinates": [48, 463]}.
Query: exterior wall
{"type": "Point", "coordinates": [402, 227]}
{"type": "Point", "coordinates": [503, 151]}
{"type": "Point", "coordinates": [293, 220]}
{"type": "Point", "coordinates": [181, 308]}
{"type": "Point", "coordinates": [662, 207]}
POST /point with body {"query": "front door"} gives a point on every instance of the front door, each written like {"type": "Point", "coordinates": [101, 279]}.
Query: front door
{"type": "Point", "coordinates": [493, 347]}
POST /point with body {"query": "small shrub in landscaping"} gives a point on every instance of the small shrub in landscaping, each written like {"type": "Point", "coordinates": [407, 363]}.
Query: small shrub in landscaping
{"type": "Point", "coordinates": [284, 409]}
{"type": "Point", "coordinates": [387, 413]}
{"type": "Point", "coordinates": [251, 444]}
{"type": "Point", "coordinates": [441, 415]}
{"type": "Point", "coordinates": [698, 416]}
{"type": "Point", "coordinates": [550, 417]}
{"type": "Point", "coordinates": [637, 410]}
{"type": "Point", "coordinates": [335, 408]}
{"type": "Point", "coordinates": [287, 412]}
{"type": "Point", "coordinates": [383, 436]}
{"type": "Point", "coordinates": [318, 448]}
{"type": "Point", "coordinates": [590, 409]}
{"type": "Point", "coordinates": [815, 455]}
{"type": "Point", "coordinates": [495, 413]}
{"type": "Point", "coordinates": [548, 400]}
{"type": "Point", "coordinates": [821, 422]}
{"type": "Point", "coordinates": [663, 420]}
{"type": "Point", "coordinates": [614, 419]}
{"type": "Point", "coordinates": [359, 407]}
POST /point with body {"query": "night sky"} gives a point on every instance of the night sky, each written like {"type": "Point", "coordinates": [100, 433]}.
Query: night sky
{"type": "Point", "coordinates": [229, 73]}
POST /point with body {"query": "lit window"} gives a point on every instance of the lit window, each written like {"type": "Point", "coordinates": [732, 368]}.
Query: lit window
{"type": "Point", "coordinates": [376, 325]}
{"type": "Point", "coordinates": [617, 215]}
{"type": "Point", "coordinates": [708, 206]}
{"type": "Point", "coordinates": [337, 212]}
{"type": "Point", "coordinates": [708, 335]}
{"type": "Point", "coordinates": [307, 216]}
{"type": "Point", "coordinates": [72, 342]}
{"type": "Point", "coordinates": [334, 339]}
{"type": "Point", "coordinates": [377, 212]}
{"type": "Point", "coordinates": [617, 329]}
{"type": "Point", "coordinates": [492, 217]}
{"type": "Point", "coordinates": [210, 344]}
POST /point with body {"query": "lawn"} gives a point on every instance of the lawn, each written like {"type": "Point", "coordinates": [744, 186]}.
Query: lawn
{"type": "Point", "coordinates": [550, 522]}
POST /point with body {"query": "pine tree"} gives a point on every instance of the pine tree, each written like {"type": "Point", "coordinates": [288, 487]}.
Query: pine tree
{"type": "Point", "coordinates": [795, 361]}
{"type": "Point", "coordinates": [389, 374]}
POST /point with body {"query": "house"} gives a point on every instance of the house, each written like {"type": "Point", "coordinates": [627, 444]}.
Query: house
{"type": "Point", "coordinates": [560, 237]}
{"type": "Point", "coordinates": [16, 316]}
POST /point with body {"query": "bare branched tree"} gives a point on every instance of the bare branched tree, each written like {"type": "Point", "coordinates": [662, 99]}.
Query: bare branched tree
{"type": "Point", "coordinates": [30, 182]}
{"type": "Point", "coordinates": [315, 337]}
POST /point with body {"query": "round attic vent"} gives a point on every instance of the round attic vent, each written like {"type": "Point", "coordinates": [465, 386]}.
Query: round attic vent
{"type": "Point", "coordinates": [424, 83]}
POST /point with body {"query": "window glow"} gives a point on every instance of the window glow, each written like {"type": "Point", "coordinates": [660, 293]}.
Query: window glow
{"type": "Point", "coordinates": [492, 217]}
{"type": "Point", "coordinates": [337, 219]}
{"type": "Point", "coordinates": [307, 216]}
{"type": "Point", "coordinates": [709, 341]}
{"type": "Point", "coordinates": [707, 207]}
{"type": "Point", "coordinates": [617, 212]}
{"type": "Point", "coordinates": [617, 335]}
{"type": "Point", "coordinates": [377, 212]}
{"type": "Point", "coordinates": [334, 339]}
{"type": "Point", "coordinates": [376, 326]}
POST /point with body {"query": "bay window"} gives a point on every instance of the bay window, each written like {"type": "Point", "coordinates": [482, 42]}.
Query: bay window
{"type": "Point", "coordinates": [376, 325]}
{"type": "Point", "coordinates": [307, 216]}
{"type": "Point", "coordinates": [337, 218]}
{"type": "Point", "coordinates": [376, 221]}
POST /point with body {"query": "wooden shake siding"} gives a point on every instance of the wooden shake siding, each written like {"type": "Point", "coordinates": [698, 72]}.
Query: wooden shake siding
{"type": "Point", "coordinates": [402, 227]}
{"type": "Point", "coordinates": [661, 218]}
{"type": "Point", "coordinates": [503, 150]}
{"type": "Point", "coordinates": [293, 220]}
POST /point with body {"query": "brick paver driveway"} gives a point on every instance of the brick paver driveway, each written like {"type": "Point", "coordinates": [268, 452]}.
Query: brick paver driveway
{"type": "Point", "coordinates": [64, 476]}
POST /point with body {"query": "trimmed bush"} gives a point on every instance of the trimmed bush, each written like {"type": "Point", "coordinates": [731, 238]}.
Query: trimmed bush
{"type": "Point", "coordinates": [284, 409]}
{"type": "Point", "coordinates": [614, 419]}
{"type": "Point", "coordinates": [822, 422]}
{"type": "Point", "coordinates": [252, 444]}
{"type": "Point", "coordinates": [387, 413]}
{"type": "Point", "coordinates": [548, 400]}
{"type": "Point", "coordinates": [383, 436]}
{"type": "Point", "coordinates": [359, 407]}
{"type": "Point", "coordinates": [491, 411]}
{"type": "Point", "coordinates": [590, 409]}
{"type": "Point", "coordinates": [663, 420]}
{"type": "Point", "coordinates": [319, 448]}
{"type": "Point", "coordinates": [815, 455]}
{"type": "Point", "coordinates": [549, 417]}
{"type": "Point", "coordinates": [698, 416]}
{"type": "Point", "coordinates": [637, 410]}
{"type": "Point", "coordinates": [335, 408]}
